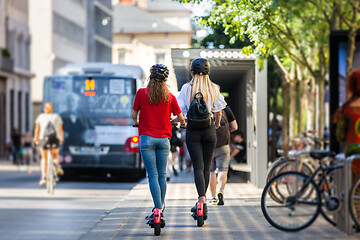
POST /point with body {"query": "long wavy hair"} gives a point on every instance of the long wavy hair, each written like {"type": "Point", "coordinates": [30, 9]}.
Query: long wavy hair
{"type": "Point", "coordinates": [353, 88]}
{"type": "Point", "coordinates": [203, 84]}
{"type": "Point", "coordinates": [158, 92]}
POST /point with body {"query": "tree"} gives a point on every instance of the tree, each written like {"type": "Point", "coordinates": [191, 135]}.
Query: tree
{"type": "Point", "coordinates": [296, 31]}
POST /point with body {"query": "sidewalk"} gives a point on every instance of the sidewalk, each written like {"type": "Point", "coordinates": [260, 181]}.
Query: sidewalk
{"type": "Point", "coordinates": [239, 218]}
{"type": "Point", "coordinates": [6, 165]}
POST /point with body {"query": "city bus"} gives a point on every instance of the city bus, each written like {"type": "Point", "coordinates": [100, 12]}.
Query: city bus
{"type": "Point", "coordinates": [95, 101]}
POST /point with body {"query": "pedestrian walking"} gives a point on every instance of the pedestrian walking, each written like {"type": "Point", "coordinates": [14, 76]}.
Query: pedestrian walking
{"type": "Point", "coordinates": [220, 163]}
{"type": "Point", "coordinates": [347, 118]}
{"type": "Point", "coordinates": [49, 134]}
{"type": "Point", "coordinates": [152, 110]}
{"type": "Point", "coordinates": [201, 139]}
{"type": "Point", "coordinates": [28, 145]}
{"type": "Point", "coordinates": [16, 147]}
{"type": "Point", "coordinates": [173, 160]}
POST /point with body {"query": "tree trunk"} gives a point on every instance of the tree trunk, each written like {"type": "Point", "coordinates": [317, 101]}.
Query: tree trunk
{"type": "Point", "coordinates": [292, 115]}
{"type": "Point", "coordinates": [321, 82]}
{"type": "Point", "coordinates": [351, 50]}
{"type": "Point", "coordinates": [311, 105]}
{"type": "Point", "coordinates": [275, 123]}
{"type": "Point", "coordinates": [285, 126]}
{"type": "Point", "coordinates": [303, 108]}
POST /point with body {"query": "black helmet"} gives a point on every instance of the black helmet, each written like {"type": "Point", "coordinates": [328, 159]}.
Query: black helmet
{"type": "Point", "coordinates": [200, 66]}
{"type": "Point", "coordinates": [159, 72]}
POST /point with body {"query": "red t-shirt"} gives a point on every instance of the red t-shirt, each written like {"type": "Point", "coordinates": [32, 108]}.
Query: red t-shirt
{"type": "Point", "coordinates": [154, 119]}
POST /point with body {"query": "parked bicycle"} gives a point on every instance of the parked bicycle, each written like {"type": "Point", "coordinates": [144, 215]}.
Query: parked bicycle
{"type": "Point", "coordinates": [300, 198]}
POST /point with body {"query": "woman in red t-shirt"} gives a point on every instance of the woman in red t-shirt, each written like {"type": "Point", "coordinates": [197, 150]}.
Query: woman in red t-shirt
{"type": "Point", "coordinates": [348, 120]}
{"type": "Point", "coordinates": [156, 104]}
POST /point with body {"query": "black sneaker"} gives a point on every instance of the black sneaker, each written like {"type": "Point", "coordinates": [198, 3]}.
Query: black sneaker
{"type": "Point", "coordinates": [221, 198]}
{"type": "Point", "coordinates": [213, 201]}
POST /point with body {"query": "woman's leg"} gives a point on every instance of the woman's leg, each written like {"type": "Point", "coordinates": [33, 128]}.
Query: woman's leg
{"type": "Point", "coordinates": [208, 147]}
{"type": "Point", "coordinates": [195, 151]}
{"type": "Point", "coordinates": [148, 154]}
{"type": "Point", "coordinates": [162, 153]}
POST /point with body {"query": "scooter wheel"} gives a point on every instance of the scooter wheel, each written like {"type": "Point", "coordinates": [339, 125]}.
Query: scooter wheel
{"type": "Point", "coordinates": [157, 229]}
{"type": "Point", "coordinates": [200, 221]}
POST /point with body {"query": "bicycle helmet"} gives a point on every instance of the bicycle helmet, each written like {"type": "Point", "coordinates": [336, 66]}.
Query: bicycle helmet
{"type": "Point", "coordinates": [200, 66]}
{"type": "Point", "coordinates": [159, 72]}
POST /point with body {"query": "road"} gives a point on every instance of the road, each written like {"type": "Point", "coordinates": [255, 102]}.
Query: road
{"type": "Point", "coordinates": [28, 212]}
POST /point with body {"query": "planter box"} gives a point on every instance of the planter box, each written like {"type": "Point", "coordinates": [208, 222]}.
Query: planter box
{"type": "Point", "coordinates": [6, 64]}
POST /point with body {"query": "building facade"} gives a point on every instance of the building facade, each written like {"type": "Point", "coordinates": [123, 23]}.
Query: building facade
{"type": "Point", "coordinates": [99, 31]}
{"type": "Point", "coordinates": [65, 32]}
{"type": "Point", "coordinates": [15, 74]}
{"type": "Point", "coordinates": [144, 32]}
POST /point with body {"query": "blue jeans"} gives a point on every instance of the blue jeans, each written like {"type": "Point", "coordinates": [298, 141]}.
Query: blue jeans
{"type": "Point", "coordinates": [155, 152]}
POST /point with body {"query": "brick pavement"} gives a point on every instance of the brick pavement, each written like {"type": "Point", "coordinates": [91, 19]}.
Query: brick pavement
{"type": "Point", "coordinates": [239, 218]}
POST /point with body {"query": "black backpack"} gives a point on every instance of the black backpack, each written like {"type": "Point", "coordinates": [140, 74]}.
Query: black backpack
{"type": "Point", "coordinates": [198, 115]}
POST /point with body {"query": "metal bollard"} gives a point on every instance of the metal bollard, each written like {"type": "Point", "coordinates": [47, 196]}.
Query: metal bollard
{"type": "Point", "coordinates": [344, 178]}
{"type": "Point", "coordinates": [340, 216]}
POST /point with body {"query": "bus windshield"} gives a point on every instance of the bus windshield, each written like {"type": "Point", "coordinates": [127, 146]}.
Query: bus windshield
{"type": "Point", "coordinates": [95, 110]}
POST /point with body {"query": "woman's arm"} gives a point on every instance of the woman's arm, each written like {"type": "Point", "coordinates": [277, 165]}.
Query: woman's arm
{"type": "Point", "coordinates": [233, 126]}
{"type": "Point", "coordinates": [179, 118]}
{"type": "Point", "coordinates": [217, 119]}
{"type": "Point", "coordinates": [61, 133]}
{"type": "Point", "coordinates": [36, 133]}
{"type": "Point", "coordinates": [134, 116]}
{"type": "Point", "coordinates": [234, 152]}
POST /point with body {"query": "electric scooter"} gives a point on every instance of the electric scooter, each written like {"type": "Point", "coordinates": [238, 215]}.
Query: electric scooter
{"type": "Point", "coordinates": [157, 223]}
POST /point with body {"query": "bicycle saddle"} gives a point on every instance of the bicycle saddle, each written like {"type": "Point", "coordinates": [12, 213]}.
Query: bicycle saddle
{"type": "Point", "coordinates": [319, 154]}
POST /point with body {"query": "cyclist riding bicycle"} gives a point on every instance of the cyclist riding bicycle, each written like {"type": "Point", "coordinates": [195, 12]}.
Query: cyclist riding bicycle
{"type": "Point", "coordinates": [49, 133]}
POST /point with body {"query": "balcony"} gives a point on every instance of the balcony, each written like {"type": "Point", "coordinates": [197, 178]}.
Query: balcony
{"type": "Point", "coordinates": [6, 63]}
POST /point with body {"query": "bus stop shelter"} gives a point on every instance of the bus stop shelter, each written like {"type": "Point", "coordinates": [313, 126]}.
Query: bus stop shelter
{"type": "Point", "coordinates": [245, 86]}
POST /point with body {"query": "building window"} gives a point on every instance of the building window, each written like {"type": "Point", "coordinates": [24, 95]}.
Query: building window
{"type": "Point", "coordinates": [102, 52]}
{"type": "Point", "coordinates": [68, 29]}
{"type": "Point", "coordinates": [103, 24]}
{"type": "Point", "coordinates": [12, 125]}
{"type": "Point", "coordinates": [19, 117]}
{"type": "Point", "coordinates": [121, 56]}
{"type": "Point", "coordinates": [160, 58]}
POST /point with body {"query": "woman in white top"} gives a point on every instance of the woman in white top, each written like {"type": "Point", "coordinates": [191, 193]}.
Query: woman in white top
{"type": "Point", "coordinates": [201, 142]}
{"type": "Point", "coordinates": [49, 134]}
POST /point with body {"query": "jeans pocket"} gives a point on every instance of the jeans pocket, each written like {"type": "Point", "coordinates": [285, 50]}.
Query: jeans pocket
{"type": "Point", "coordinates": [145, 142]}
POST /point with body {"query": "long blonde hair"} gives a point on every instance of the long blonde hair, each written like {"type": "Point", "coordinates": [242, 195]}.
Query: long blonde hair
{"type": "Point", "coordinates": [203, 84]}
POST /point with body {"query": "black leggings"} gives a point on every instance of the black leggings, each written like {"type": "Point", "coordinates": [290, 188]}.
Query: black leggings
{"type": "Point", "coordinates": [201, 146]}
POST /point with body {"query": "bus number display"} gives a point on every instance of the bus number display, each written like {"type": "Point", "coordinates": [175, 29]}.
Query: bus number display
{"type": "Point", "coordinates": [89, 87]}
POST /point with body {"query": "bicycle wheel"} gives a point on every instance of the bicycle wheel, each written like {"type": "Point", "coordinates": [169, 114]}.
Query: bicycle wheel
{"type": "Point", "coordinates": [286, 166]}
{"type": "Point", "coordinates": [354, 202]}
{"type": "Point", "coordinates": [273, 168]}
{"type": "Point", "coordinates": [50, 179]}
{"type": "Point", "coordinates": [298, 208]}
{"type": "Point", "coordinates": [333, 204]}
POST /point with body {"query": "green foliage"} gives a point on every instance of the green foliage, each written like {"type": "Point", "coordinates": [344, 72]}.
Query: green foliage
{"type": "Point", "coordinates": [5, 52]}
{"type": "Point", "coordinates": [219, 39]}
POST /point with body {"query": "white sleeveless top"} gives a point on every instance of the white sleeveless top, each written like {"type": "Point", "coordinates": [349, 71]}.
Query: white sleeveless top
{"type": "Point", "coordinates": [185, 98]}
